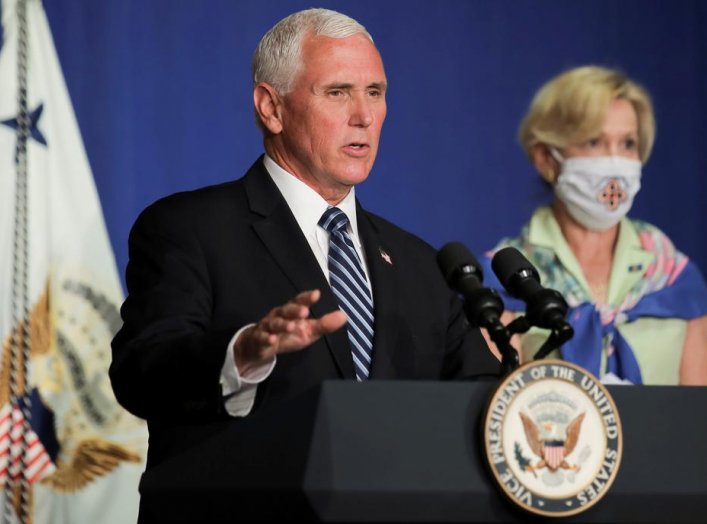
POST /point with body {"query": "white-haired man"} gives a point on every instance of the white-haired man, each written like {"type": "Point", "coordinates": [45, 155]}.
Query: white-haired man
{"type": "Point", "coordinates": [234, 304]}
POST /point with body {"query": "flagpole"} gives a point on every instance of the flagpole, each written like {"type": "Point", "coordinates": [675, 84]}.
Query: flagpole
{"type": "Point", "coordinates": [17, 488]}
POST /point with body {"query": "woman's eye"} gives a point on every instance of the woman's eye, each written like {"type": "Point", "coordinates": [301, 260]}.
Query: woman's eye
{"type": "Point", "coordinates": [631, 143]}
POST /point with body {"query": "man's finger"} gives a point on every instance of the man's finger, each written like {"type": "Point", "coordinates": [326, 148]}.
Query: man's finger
{"type": "Point", "coordinates": [307, 298]}
{"type": "Point", "coordinates": [292, 311]}
{"type": "Point", "coordinates": [278, 325]}
{"type": "Point", "coordinates": [331, 322]}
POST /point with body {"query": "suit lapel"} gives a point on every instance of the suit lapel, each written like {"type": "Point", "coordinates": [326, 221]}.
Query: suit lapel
{"type": "Point", "coordinates": [277, 228]}
{"type": "Point", "coordinates": [381, 266]}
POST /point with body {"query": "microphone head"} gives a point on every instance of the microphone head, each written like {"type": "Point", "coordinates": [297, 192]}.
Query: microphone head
{"type": "Point", "coordinates": [509, 264]}
{"type": "Point", "coordinates": [545, 308]}
{"type": "Point", "coordinates": [456, 262]}
{"type": "Point", "coordinates": [461, 270]}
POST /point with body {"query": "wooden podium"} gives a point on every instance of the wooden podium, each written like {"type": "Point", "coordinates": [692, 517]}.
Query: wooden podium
{"type": "Point", "coordinates": [399, 451]}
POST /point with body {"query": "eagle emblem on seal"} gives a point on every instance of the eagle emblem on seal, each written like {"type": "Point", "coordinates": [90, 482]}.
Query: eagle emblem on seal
{"type": "Point", "coordinates": [552, 442]}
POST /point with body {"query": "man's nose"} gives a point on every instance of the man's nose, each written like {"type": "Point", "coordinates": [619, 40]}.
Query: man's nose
{"type": "Point", "coordinates": [361, 112]}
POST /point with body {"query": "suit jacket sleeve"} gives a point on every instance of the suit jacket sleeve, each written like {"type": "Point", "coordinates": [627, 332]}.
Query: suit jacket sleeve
{"type": "Point", "coordinates": [168, 355]}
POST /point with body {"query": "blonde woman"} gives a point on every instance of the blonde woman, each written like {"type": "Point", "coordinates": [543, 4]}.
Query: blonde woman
{"type": "Point", "coordinates": [637, 304]}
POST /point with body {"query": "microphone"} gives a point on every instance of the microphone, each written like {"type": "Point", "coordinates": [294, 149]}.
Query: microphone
{"type": "Point", "coordinates": [546, 308]}
{"type": "Point", "coordinates": [461, 270]}
{"type": "Point", "coordinates": [482, 305]}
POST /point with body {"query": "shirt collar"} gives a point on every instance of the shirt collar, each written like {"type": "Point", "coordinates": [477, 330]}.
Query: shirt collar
{"type": "Point", "coordinates": [305, 203]}
{"type": "Point", "coordinates": [630, 258]}
{"type": "Point", "coordinates": [545, 231]}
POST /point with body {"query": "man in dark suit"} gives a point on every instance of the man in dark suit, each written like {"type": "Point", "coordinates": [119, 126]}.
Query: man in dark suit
{"type": "Point", "coordinates": [230, 308]}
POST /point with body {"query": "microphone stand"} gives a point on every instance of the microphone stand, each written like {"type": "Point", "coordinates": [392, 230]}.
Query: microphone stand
{"type": "Point", "coordinates": [502, 338]}
{"type": "Point", "coordinates": [558, 336]}
{"type": "Point", "coordinates": [519, 325]}
{"type": "Point", "coordinates": [483, 308]}
{"type": "Point", "coordinates": [560, 333]}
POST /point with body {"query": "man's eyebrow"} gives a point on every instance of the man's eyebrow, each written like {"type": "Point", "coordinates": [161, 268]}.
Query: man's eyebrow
{"type": "Point", "coordinates": [339, 85]}
{"type": "Point", "coordinates": [347, 85]}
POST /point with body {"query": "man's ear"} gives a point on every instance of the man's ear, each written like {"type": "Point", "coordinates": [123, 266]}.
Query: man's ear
{"type": "Point", "coordinates": [268, 105]}
{"type": "Point", "coordinates": [544, 162]}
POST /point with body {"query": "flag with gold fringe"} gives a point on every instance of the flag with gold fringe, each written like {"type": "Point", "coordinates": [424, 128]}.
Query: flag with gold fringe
{"type": "Point", "coordinates": [68, 452]}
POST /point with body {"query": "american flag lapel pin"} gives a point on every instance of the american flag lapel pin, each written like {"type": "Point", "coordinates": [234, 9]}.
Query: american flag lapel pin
{"type": "Point", "coordinates": [385, 256]}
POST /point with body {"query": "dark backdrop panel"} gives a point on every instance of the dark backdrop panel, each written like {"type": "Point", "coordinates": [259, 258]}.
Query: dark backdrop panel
{"type": "Point", "coordinates": [163, 96]}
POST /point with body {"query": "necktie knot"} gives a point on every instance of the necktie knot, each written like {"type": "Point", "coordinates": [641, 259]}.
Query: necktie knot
{"type": "Point", "coordinates": [334, 219]}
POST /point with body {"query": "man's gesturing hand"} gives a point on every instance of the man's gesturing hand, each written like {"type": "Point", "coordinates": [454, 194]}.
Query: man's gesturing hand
{"type": "Point", "coordinates": [285, 328]}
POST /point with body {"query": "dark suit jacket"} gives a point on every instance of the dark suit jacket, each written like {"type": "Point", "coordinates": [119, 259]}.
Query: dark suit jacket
{"type": "Point", "coordinates": [207, 262]}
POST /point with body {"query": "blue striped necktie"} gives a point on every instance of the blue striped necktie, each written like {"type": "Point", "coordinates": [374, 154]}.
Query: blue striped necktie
{"type": "Point", "coordinates": [348, 281]}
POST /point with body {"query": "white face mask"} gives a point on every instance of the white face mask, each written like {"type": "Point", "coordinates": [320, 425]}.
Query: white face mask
{"type": "Point", "coordinates": [598, 191]}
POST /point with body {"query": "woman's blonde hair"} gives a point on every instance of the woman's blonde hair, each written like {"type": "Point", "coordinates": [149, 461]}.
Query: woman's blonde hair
{"type": "Point", "coordinates": [570, 109]}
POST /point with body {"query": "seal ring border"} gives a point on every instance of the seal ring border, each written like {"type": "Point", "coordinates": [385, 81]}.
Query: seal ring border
{"type": "Point", "coordinates": [489, 462]}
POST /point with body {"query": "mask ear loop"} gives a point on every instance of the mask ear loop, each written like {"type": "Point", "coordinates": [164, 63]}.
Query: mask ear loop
{"type": "Point", "coordinates": [550, 176]}
{"type": "Point", "coordinates": [556, 154]}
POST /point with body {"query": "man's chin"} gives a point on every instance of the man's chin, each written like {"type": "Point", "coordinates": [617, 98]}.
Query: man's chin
{"type": "Point", "coordinates": [354, 172]}
{"type": "Point", "coordinates": [352, 179]}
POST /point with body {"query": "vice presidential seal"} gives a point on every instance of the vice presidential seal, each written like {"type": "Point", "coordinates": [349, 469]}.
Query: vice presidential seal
{"type": "Point", "coordinates": [552, 437]}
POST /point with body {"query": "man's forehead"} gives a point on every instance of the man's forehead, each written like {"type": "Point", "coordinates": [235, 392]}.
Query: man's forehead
{"type": "Point", "coordinates": [348, 59]}
{"type": "Point", "coordinates": [318, 47]}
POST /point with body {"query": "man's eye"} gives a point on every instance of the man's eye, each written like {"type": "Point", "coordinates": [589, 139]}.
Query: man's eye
{"type": "Point", "coordinates": [374, 92]}
{"type": "Point", "coordinates": [592, 142]}
{"type": "Point", "coordinates": [336, 92]}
